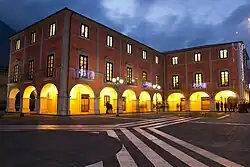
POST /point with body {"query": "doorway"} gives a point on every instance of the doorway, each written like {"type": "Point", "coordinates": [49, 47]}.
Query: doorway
{"type": "Point", "coordinates": [84, 103]}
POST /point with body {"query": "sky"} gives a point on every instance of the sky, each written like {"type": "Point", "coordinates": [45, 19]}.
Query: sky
{"type": "Point", "coordinates": [162, 24]}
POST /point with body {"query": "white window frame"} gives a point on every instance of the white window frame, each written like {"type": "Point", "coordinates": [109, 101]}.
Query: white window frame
{"type": "Point", "coordinates": [129, 48]}
{"type": "Point", "coordinates": [33, 37]}
{"type": "Point", "coordinates": [197, 57]}
{"type": "Point", "coordinates": [109, 41]}
{"type": "Point", "coordinates": [175, 60]}
{"type": "Point", "coordinates": [52, 29]}
{"type": "Point", "coordinates": [156, 59]}
{"type": "Point", "coordinates": [84, 31]}
{"type": "Point", "coordinates": [223, 53]}
{"type": "Point", "coordinates": [18, 44]}
{"type": "Point", "coordinates": [144, 55]}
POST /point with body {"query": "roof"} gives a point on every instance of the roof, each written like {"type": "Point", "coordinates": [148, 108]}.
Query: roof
{"type": "Point", "coordinates": [102, 25]}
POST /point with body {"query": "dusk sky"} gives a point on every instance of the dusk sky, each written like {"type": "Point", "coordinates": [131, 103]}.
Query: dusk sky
{"type": "Point", "coordinates": [161, 24]}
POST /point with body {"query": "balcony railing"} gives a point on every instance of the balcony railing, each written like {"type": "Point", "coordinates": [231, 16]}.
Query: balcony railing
{"type": "Point", "coordinates": [85, 74]}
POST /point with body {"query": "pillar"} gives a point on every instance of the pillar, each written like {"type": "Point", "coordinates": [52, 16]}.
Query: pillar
{"type": "Point", "coordinates": [187, 105]}
{"type": "Point", "coordinates": [97, 105]}
{"type": "Point", "coordinates": [63, 105]}
{"type": "Point", "coordinates": [21, 105]}
{"type": "Point", "coordinates": [137, 104]}
{"type": "Point", "coordinates": [26, 105]}
{"type": "Point", "coordinates": [212, 106]}
{"type": "Point", "coordinates": [37, 105]}
{"type": "Point", "coordinates": [152, 105]}
{"type": "Point", "coordinates": [11, 105]}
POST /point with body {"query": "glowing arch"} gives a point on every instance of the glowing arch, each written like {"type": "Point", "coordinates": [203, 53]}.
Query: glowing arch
{"type": "Point", "coordinates": [108, 93]}
{"type": "Point", "coordinates": [129, 103]}
{"type": "Point", "coordinates": [27, 102]}
{"type": "Point", "coordinates": [174, 99]}
{"type": "Point", "coordinates": [157, 97]}
{"type": "Point", "coordinates": [48, 99]}
{"type": "Point", "coordinates": [145, 102]}
{"type": "Point", "coordinates": [223, 95]}
{"type": "Point", "coordinates": [79, 104]}
{"type": "Point", "coordinates": [199, 101]}
{"type": "Point", "coordinates": [13, 99]}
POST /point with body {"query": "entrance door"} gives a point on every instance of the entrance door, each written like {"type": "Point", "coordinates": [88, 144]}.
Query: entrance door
{"type": "Point", "coordinates": [32, 101]}
{"type": "Point", "coordinates": [123, 103]}
{"type": "Point", "coordinates": [84, 103]}
{"type": "Point", "coordinates": [205, 103]}
{"type": "Point", "coordinates": [183, 105]}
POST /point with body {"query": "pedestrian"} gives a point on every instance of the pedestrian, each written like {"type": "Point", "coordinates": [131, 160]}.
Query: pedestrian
{"type": "Point", "coordinates": [225, 106]}
{"type": "Point", "coordinates": [217, 105]}
{"type": "Point", "coordinates": [221, 106]}
{"type": "Point", "coordinates": [107, 107]}
{"type": "Point", "coordinates": [177, 106]}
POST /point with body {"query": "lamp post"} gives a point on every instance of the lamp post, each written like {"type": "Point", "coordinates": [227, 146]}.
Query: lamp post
{"type": "Point", "coordinates": [157, 88]}
{"type": "Point", "coordinates": [117, 82]}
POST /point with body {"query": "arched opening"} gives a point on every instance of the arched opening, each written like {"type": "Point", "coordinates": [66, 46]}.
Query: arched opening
{"type": "Point", "coordinates": [81, 100]}
{"type": "Point", "coordinates": [247, 96]}
{"type": "Point", "coordinates": [199, 101]}
{"type": "Point", "coordinates": [225, 95]}
{"type": "Point", "coordinates": [108, 94]}
{"type": "Point", "coordinates": [29, 98]}
{"type": "Point", "coordinates": [157, 98]}
{"type": "Point", "coordinates": [145, 102]}
{"type": "Point", "coordinates": [175, 100]}
{"type": "Point", "coordinates": [129, 101]}
{"type": "Point", "coordinates": [14, 100]}
{"type": "Point", "coordinates": [48, 99]}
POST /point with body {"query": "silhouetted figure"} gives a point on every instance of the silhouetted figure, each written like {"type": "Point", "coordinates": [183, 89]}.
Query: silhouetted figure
{"type": "Point", "coordinates": [180, 107]}
{"type": "Point", "coordinates": [108, 107]}
{"type": "Point", "coordinates": [221, 106]}
{"type": "Point", "coordinates": [177, 106]}
{"type": "Point", "coordinates": [225, 106]}
{"type": "Point", "coordinates": [217, 105]}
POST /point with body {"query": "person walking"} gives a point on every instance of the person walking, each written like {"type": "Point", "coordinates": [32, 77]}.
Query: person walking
{"type": "Point", "coordinates": [107, 107]}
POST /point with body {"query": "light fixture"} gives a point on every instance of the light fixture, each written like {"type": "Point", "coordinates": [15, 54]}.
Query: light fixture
{"type": "Point", "coordinates": [121, 81]}
{"type": "Point", "coordinates": [158, 87]}
{"type": "Point", "coordinates": [133, 80]}
{"type": "Point", "coordinates": [113, 80]}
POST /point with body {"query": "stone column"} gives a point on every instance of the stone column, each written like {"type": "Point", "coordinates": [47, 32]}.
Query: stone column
{"type": "Point", "coordinates": [37, 105]}
{"type": "Point", "coordinates": [212, 106]}
{"type": "Point", "coordinates": [62, 105]}
{"type": "Point", "coordinates": [26, 102]}
{"type": "Point", "coordinates": [187, 105]}
{"type": "Point", "coordinates": [138, 104]}
{"type": "Point", "coordinates": [11, 105]}
{"type": "Point", "coordinates": [152, 105]}
{"type": "Point", "coordinates": [97, 105]}
{"type": "Point", "coordinates": [21, 105]}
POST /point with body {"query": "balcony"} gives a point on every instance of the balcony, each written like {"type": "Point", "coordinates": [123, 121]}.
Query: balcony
{"type": "Point", "coordinates": [84, 74]}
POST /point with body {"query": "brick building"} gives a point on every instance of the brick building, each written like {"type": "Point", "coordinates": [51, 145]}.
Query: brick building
{"type": "Point", "coordinates": [196, 78]}
{"type": "Point", "coordinates": [66, 64]}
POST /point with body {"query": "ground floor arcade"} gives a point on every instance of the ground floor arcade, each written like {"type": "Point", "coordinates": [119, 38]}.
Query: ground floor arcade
{"type": "Point", "coordinates": [82, 100]}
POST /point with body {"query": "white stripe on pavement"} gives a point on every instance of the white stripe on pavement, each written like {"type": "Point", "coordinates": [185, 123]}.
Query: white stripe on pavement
{"type": "Point", "coordinates": [224, 116]}
{"type": "Point", "coordinates": [123, 156]}
{"type": "Point", "coordinates": [177, 153]}
{"type": "Point", "coordinates": [221, 123]}
{"type": "Point", "coordinates": [152, 156]}
{"type": "Point", "coordinates": [98, 164]}
{"type": "Point", "coordinates": [196, 149]}
{"type": "Point", "coordinates": [177, 122]}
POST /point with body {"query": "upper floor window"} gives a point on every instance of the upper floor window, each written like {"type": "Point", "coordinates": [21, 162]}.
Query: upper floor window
{"type": "Point", "coordinates": [18, 44]}
{"type": "Point", "coordinates": [175, 81]}
{"type": "Point", "coordinates": [144, 55]}
{"type": "Point", "coordinates": [33, 38]}
{"type": "Point", "coordinates": [16, 73]}
{"type": "Point", "coordinates": [157, 79]}
{"type": "Point", "coordinates": [31, 70]}
{"type": "Point", "coordinates": [109, 41]}
{"type": "Point", "coordinates": [109, 71]}
{"type": "Point", "coordinates": [197, 57]}
{"type": "Point", "coordinates": [52, 29]}
{"type": "Point", "coordinates": [157, 59]}
{"type": "Point", "coordinates": [129, 75]}
{"type": "Point", "coordinates": [224, 78]}
{"type": "Point", "coordinates": [50, 65]}
{"type": "Point", "coordinates": [174, 60]}
{"type": "Point", "coordinates": [223, 54]}
{"type": "Point", "coordinates": [83, 62]}
{"type": "Point", "coordinates": [129, 48]}
{"type": "Point", "coordinates": [198, 78]}
{"type": "Point", "coordinates": [85, 31]}
{"type": "Point", "coordinates": [144, 76]}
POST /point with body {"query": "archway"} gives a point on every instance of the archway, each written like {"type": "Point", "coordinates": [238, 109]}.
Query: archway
{"type": "Point", "coordinates": [145, 102]}
{"type": "Point", "coordinates": [224, 95]}
{"type": "Point", "coordinates": [81, 100]}
{"type": "Point", "coordinates": [247, 96]}
{"type": "Point", "coordinates": [174, 100]}
{"type": "Point", "coordinates": [108, 94]}
{"type": "Point", "coordinates": [199, 101]}
{"type": "Point", "coordinates": [48, 99]}
{"type": "Point", "coordinates": [129, 101]}
{"type": "Point", "coordinates": [29, 98]}
{"type": "Point", "coordinates": [157, 98]}
{"type": "Point", "coordinates": [14, 100]}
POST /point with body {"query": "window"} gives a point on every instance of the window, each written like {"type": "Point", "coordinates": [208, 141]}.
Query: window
{"type": "Point", "coordinates": [50, 65]}
{"type": "Point", "coordinates": [197, 57]}
{"type": "Point", "coordinates": [224, 78]}
{"type": "Point", "coordinates": [144, 76]}
{"type": "Point", "coordinates": [33, 38]}
{"type": "Point", "coordinates": [129, 48]}
{"type": "Point", "coordinates": [223, 54]}
{"type": "Point", "coordinates": [174, 60]}
{"type": "Point", "coordinates": [157, 59]}
{"type": "Point", "coordinates": [109, 71]}
{"type": "Point", "coordinates": [109, 41]}
{"type": "Point", "coordinates": [18, 44]}
{"type": "Point", "coordinates": [129, 75]}
{"type": "Point", "coordinates": [157, 79]}
{"type": "Point", "coordinates": [52, 29]}
{"type": "Point", "coordinates": [85, 31]}
{"type": "Point", "coordinates": [175, 81]}
{"type": "Point", "coordinates": [198, 78]}
{"type": "Point", "coordinates": [83, 65]}
{"type": "Point", "coordinates": [106, 99]}
{"type": "Point", "coordinates": [144, 55]}
{"type": "Point", "coordinates": [16, 71]}
{"type": "Point", "coordinates": [31, 70]}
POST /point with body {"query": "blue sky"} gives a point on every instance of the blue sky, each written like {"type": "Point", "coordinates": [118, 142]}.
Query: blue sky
{"type": "Point", "coordinates": [162, 24]}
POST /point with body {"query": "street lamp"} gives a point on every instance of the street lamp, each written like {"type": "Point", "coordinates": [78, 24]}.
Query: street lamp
{"type": "Point", "coordinates": [157, 88]}
{"type": "Point", "coordinates": [117, 82]}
